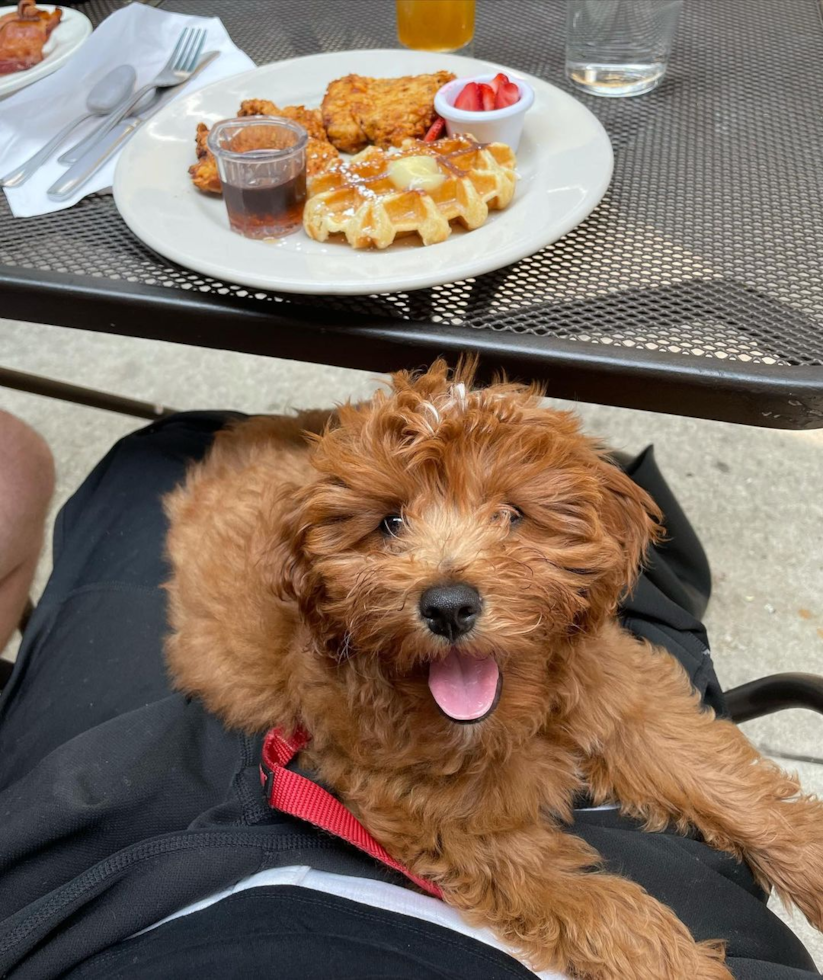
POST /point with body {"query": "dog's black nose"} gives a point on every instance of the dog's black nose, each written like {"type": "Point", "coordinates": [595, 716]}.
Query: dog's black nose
{"type": "Point", "coordinates": [450, 610]}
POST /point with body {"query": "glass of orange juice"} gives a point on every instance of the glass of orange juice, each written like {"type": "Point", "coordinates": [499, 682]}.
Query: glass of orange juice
{"type": "Point", "coordinates": [435, 25]}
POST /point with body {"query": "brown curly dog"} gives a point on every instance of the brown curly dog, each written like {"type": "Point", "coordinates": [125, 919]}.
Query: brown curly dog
{"type": "Point", "coordinates": [428, 582]}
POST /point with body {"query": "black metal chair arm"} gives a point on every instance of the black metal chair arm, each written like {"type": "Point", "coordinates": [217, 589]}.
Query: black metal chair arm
{"type": "Point", "coordinates": [774, 693]}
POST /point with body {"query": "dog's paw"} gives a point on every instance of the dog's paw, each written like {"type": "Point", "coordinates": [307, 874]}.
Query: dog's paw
{"type": "Point", "coordinates": [808, 897]}
{"type": "Point", "coordinates": [621, 933]}
{"type": "Point", "coordinates": [793, 862]}
{"type": "Point", "coordinates": [693, 961]}
{"type": "Point", "coordinates": [809, 890]}
{"type": "Point", "coordinates": [712, 962]}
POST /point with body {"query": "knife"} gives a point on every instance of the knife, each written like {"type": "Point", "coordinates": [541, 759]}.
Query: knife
{"type": "Point", "coordinates": [88, 165]}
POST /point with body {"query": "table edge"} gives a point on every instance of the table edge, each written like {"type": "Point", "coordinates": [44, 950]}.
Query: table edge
{"type": "Point", "coordinates": [774, 396]}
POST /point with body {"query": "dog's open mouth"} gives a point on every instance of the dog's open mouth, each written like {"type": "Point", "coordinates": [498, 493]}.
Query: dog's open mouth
{"type": "Point", "coordinates": [465, 688]}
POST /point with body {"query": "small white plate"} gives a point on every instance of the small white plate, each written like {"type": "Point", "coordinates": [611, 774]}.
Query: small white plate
{"type": "Point", "coordinates": [564, 162]}
{"type": "Point", "coordinates": [66, 38]}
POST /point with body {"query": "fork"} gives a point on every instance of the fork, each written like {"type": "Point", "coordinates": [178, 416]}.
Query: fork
{"type": "Point", "coordinates": [177, 70]}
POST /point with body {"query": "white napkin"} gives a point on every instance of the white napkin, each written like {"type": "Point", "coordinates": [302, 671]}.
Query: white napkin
{"type": "Point", "coordinates": [137, 35]}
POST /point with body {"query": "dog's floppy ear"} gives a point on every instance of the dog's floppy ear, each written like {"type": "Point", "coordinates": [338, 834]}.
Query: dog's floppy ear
{"type": "Point", "coordinates": [292, 577]}
{"type": "Point", "coordinates": [631, 519]}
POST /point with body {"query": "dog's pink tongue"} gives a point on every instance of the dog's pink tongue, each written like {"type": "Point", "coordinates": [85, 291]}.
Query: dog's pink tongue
{"type": "Point", "coordinates": [463, 686]}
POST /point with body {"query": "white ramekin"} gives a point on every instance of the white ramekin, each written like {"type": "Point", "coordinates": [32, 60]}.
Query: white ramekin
{"type": "Point", "coordinates": [496, 125]}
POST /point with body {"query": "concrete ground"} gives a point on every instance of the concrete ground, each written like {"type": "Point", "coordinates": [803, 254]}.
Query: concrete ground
{"type": "Point", "coordinates": [752, 494]}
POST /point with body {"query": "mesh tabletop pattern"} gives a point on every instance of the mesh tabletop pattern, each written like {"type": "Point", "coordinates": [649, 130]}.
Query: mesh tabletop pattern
{"type": "Point", "coordinates": [708, 245]}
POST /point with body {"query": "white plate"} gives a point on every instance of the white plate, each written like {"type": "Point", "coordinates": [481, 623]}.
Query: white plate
{"type": "Point", "coordinates": [564, 161]}
{"type": "Point", "coordinates": [66, 38]}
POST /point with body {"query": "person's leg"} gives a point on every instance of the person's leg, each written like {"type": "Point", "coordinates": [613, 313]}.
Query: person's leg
{"type": "Point", "coordinates": [93, 647]}
{"type": "Point", "coordinates": [26, 487]}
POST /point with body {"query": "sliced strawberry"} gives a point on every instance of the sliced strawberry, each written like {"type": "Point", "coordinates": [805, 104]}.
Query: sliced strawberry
{"type": "Point", "coordinates": [435, 130]}
{"type": "Point", "coordinates": [498, 80]}
{"type": "Point", "coordinates": [507, 94]}
{"type": "Point", "coordinates": [486, 97]}
{"type": "Point", "coordinates": [469, 98]}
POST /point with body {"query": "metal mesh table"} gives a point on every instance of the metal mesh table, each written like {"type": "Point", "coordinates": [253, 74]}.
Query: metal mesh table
{"type": "Point", "coordinates": [694, 288]}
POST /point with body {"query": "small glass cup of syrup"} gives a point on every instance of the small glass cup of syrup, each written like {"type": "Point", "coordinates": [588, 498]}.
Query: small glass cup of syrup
{"type": "Point", "coordinates": [262, 165]}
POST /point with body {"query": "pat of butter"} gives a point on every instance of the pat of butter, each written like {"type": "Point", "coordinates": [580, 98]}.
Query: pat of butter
{"type": "Point", "coordinates": [415, 174]}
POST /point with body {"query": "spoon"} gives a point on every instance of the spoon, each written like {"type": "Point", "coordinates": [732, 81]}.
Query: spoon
{"type": "Point", "coordinates": [103, 97]}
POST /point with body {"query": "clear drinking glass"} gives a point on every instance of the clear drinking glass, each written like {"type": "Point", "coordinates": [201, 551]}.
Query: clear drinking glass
{"type": "Point", "coordinates": [619, 47]}
{"type": "Point", "coordinates": [262, 165]}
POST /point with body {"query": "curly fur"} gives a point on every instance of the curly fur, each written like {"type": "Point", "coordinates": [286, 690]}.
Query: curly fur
{"type": "Point", "coordinates": [289, 607]}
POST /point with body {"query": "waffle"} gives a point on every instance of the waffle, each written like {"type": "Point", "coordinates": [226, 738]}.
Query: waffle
{"type": "Point", "coordinates": [360, 200]}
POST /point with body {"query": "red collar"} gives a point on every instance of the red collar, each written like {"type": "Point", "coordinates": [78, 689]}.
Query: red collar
{"type": "Point", "coordinates": [292, 793]}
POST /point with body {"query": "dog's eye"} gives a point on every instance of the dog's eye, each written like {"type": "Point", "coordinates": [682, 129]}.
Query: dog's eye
{"type": "Point", "coordinates": [391, 525]}
{"type": "Point", "coordinates": [508, 514]}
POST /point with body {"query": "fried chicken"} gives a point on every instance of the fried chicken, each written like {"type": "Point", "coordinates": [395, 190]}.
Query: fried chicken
{"type": "Point", "coordinates": [310, 119]}
{"type": "Point", "coordinates": [23, 34]}
{"type": "Point", "coordinates": [358, 111]}
{"type": "Point", "coordinates": [320, 154]}
{"type": "Point", "coordinates": [204, 173]}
